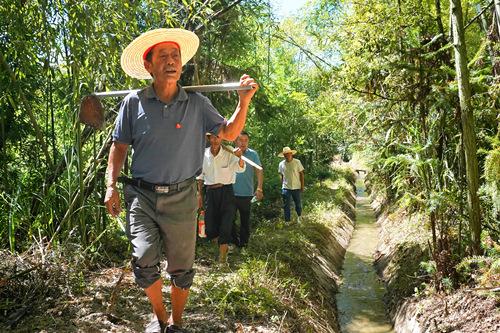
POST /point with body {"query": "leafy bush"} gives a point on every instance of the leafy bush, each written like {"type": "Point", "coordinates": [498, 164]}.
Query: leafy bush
{"type": "Point", "coordinates": [470, 269]}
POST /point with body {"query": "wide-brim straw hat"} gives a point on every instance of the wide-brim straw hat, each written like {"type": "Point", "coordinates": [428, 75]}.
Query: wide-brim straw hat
{"type": "Point", "coordinates": [132, 61]}
{"type": "Point", "coordinates": [287, 150]}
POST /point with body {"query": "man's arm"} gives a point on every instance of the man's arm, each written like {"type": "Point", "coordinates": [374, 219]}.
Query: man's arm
{"type": "Point", "coordinates": [260, 182]}
{"type": "Point", "coordinates": [200, 192]}
{"type": "Point", "coordinates": [117, 155]}
{"type": "Point", "coordinates": [241, 164]}
{"type": "Point", "coordinates": [301, 175]}
{"type": "Point", "coordinates": [235, 124]}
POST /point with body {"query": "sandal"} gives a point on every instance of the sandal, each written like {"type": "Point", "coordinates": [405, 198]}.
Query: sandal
{"type": "Point", "coordinates": [175, 329]}
{"type": "Point", "coordinates": [156, 326]}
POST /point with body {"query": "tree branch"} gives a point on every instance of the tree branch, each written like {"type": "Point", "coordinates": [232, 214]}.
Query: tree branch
{"type": "Point", "coordinates": [216, 15]}
{"type": "Point", "coordinates": [308, 53]}
{"type": "Point", "coordinates": [479, 14]}
{"type": "Point", "coordinates": [380, 96]}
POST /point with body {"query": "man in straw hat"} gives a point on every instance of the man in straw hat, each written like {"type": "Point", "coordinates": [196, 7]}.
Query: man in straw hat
{"type": "Point", "coordinates": [166, 126]}
{"type": "Point", "coordinates": [292, 182]}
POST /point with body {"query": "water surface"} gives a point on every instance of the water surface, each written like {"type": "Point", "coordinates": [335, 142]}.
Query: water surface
{"type": "Point", "coordinates": [359, 300]}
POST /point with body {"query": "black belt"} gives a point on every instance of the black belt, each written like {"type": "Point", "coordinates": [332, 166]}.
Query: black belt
{"type": "Point", "coordinates": [214, 186]}
{"type": "Point", "coordinates": [158, 188]}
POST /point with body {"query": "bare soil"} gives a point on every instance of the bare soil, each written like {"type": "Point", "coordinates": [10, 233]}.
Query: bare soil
{"type": "Point", "coordinates": [462, 311]}
{"type": "Point", "coordinates": [401, 248]}
{"type": "Point", "coordinates": [108, 301]}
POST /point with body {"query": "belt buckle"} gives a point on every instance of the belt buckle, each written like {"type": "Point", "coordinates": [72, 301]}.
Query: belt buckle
{"type": "Point", "coordinates": [162, 189]}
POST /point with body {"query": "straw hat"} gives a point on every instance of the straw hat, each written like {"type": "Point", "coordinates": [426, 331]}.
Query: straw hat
{"type": "Point", "coordinates": [287, 150]}
{"type": "Point", "coordinates": [132, 57]}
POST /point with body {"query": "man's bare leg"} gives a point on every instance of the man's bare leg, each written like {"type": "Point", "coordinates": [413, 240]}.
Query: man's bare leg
{"type": "Point", "coordinates": [155, 296]}
{"type": "Point", "coordinates": [179, 298]}
{"type": "Point", "coordinates": [223, 249]}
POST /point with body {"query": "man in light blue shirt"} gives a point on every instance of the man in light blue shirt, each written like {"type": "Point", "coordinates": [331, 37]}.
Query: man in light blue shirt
{"type": "Point", "coordinates": [244, 191]}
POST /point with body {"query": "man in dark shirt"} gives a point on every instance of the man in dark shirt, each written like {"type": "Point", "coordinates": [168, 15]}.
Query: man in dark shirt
{"type": "Point", "coordinates": [166, 128]}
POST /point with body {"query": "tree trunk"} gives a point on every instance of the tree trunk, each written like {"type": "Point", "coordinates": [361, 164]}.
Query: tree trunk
{"type": "Point", "coordinates": [484, 25]}
{"type": "Point", "coordinates": [497, 13]}
{"type": "Point", "coordinates": [467, 117]}
{"type": "Point", "coordinates": [439, 19]}
{"type": "Point", "coordinates": [494, 37]}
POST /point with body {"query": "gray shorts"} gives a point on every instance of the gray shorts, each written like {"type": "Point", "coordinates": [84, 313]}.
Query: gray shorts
{"type": "Point", "coordinates": [159, 223]}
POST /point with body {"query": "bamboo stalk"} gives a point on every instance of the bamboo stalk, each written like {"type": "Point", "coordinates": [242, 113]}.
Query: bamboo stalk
{"type": "Point", "coordinates": [467, 119]}
{"type": "Point", "coordinates": [29, 110]}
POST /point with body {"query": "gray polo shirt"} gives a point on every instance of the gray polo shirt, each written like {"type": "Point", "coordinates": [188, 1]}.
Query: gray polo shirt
{"type": "Point", "coordinates": [168, 140]}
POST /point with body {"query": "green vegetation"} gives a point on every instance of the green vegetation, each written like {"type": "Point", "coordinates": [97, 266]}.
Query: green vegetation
{"type": "Point", "coordinates": [273, 282]}
{"type": "Point", "coordinates": [400, 71]}
{"type": "Point", "coordinates": [384, 78]}
{"type": "Point", "coordinates": [56, 52]}
{"type": "Point", "coordinates": [274, 278]}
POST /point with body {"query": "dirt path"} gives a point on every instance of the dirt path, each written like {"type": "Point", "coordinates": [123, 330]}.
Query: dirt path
{"type": "Point", "coordinates": [359, 300]}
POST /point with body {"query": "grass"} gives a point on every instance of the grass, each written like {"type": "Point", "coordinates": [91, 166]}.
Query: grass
{"type": "Point", "coordinates": [284, 281]}
{"type": "Point", "coordinates": [277, 281]}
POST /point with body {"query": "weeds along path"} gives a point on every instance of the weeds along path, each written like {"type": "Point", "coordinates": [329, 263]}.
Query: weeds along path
{"type": "Point", "coordinates": [285, 281]}
{"type": "Point", "coordinates": [359, 300]}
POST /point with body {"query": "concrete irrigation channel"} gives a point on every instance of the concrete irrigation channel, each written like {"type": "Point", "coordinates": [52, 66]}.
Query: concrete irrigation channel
{"type": "Point", "coordinates": [359, 300]}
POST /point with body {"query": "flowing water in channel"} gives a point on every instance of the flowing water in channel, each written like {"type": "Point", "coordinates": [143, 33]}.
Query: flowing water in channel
{"type": "Point", "coordinates": [359, 300]}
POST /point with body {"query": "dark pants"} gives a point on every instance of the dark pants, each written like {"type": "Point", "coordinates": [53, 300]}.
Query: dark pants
{"type": "Point", "coordinates": [243, 207]}
{"type": "Point", "coordinates": [295, 194]}
{"type": "Point", "coordinates": [219, 213]}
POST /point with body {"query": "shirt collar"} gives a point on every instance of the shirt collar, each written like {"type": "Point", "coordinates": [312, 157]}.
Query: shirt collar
{"type": "Point", "coordinates": [181, 96]}
{"type": "Point", "coordinates": [218, 154]}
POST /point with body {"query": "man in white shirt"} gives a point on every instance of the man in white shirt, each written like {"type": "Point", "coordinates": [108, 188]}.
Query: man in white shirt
{"type": "Point", "coordinates": [292, 179]}
{"type": "Point", "coordinates": [219, 174]}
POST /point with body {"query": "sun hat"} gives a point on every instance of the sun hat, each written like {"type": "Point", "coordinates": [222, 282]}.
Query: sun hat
{"type": "Point", "coordinates": [132, 60]}
{"type": "Point", "coordinates": [287, 150]}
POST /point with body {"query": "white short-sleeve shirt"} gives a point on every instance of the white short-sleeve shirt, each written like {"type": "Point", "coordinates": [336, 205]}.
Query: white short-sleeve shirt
{"type": "Point", "coordinates": [220, 169]}
{"type": "Point", "coordinates": [290, 171]}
